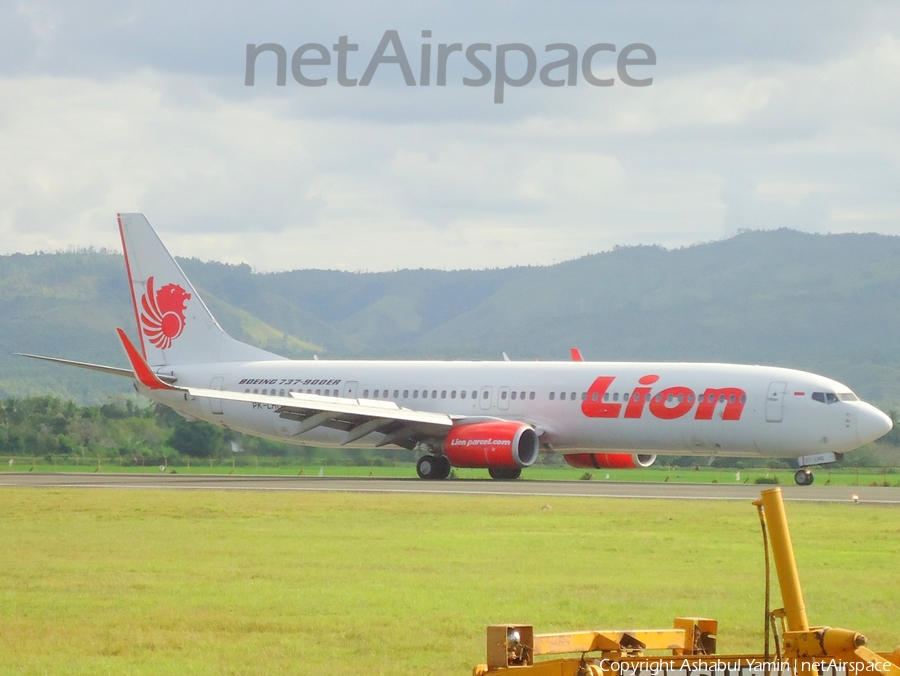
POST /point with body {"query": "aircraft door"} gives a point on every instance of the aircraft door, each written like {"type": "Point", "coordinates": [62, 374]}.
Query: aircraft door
{"type": "Point", "coordinates": [484, 398]}
{"type": "Point", "coordinates": [775, 402]}
{"type": "Point", "coordinates": [350, 388]}
{"type": "Point", "coordinates": [503, 398]}
{"type": "Point", "coordinates": [215, 405]}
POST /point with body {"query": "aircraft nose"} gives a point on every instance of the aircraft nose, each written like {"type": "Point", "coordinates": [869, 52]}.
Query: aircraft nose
{"type": "Point", "coordinates": [872, 424]}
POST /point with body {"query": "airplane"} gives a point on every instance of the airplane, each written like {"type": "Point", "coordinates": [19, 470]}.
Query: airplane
{"type": "Point", "coordinates": [497, 415]}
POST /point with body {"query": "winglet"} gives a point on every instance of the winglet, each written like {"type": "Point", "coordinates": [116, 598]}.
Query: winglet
{"type": "Point", "coordinates": [576, 354]}
{"type": "Point", "coordinates": [141, 370]}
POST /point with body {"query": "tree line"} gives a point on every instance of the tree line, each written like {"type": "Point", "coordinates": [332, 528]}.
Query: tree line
{"type": "Point", "coordinates": [131, 434]}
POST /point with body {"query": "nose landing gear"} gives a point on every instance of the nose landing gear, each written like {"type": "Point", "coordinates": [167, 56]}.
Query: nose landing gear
{"type": "Point", "coordinates": [803, 477]}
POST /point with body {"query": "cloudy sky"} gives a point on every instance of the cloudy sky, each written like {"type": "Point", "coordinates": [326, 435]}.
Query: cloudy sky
{"type": "Point", "coordinates": [760, 115]}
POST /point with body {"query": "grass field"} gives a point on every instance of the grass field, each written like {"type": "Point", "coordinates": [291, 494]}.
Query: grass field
{"type": "Point", "coordinates": [171, 582]}
{"type": "Point", "coordinates": [846, 476]}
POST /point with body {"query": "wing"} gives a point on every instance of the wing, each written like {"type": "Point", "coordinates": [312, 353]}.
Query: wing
{"type": "Point", "coordinates": [357, 417]}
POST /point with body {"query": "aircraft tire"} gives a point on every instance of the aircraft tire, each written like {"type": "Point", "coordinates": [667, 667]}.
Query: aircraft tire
{"type": "Point", "coordinates": [803, 477]}
{"type": "Point", "coordinates": [427, 467]}
{"type": "Point", "coordinates": [433, 467]}
{"type": "Point", "coordinates": [443, 467]}
{"type": "Point", "coordinates": [505, 473]}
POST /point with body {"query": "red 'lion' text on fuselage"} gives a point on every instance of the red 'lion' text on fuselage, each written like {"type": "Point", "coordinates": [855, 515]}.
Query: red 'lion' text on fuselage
{"type": "Point", "coordinates": [667, 404]}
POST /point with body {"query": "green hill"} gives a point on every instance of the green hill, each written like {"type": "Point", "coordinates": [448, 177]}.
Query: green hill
{"type": "Point", "coordinates": [825, 303]}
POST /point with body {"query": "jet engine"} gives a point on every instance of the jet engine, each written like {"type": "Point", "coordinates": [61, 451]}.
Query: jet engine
{"type": "Point", "coordinates": [492, 444]}
{"type": "Point", "coordinates": [610, 460]}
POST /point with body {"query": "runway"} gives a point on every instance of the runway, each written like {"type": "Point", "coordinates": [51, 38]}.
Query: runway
{"type": "Point", "coordinates": [584, 489]}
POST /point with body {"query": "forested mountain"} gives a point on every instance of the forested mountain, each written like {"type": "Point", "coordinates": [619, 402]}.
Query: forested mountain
{"type": "Point", "coordinates": [826, 303]}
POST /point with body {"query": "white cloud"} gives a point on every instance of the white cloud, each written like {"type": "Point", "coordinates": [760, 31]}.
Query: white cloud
{"type": "Point", "coordinates": [393, 176]}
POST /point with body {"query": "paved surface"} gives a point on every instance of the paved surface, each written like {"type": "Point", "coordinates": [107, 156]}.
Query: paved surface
{"type": "Point", "coordinates": [668, 491]}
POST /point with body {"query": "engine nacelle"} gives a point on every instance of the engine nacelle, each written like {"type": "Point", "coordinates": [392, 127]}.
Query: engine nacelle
{"type": "Point", "coordinates": [610, 460]}
{"type": "Point", "coordinates": [492, 444]}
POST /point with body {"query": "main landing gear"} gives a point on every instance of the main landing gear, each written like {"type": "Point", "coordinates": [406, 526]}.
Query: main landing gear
{"type": "Point", "coordinates": [433, 467]}
{"type": "Point", "coordinates": [437, 467]}
{"type": "Point", "coordinates": [803, 477]}
{"type": "Point", "coordinates": [505, 473]}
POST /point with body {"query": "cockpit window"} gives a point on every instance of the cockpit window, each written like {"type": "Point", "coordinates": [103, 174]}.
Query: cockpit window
{"type": "Point", "coordinates": [830, 397]}
{"type": "Point", "coordinates": [847, 396]}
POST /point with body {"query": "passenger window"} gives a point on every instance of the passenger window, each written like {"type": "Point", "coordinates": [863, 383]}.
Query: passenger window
{"type": "Point", "coordinates": [453, 394]}
{"type": "Point", "coordinates": [531, 396]}
{"type": "Point", "coordinates": [365, 394]}
{"type": "Point", "coordinates": [552, 396]}
{"type": "Point", "coordinates": [562, 396]}
{"type": "Point", "coordinates": [327, 393]}
{"type": "Point", "coordinates": [415, 394]}
{"type": "Point", "coordinates": [443, 394]}
{"type": "Point", "coordinates": [513, 396]}
{"type": "Point", "coordinates": [397, 394]}
{"type": "Point", "coordinates": [485, 395]}
{"type": "Point", "coordinates": [281, 393]}
{"type": "Point", "coordinates": [462, 395]}
{"type": "Point", "coordinates": [691, 398]}
{"type": "Point", "coordinates": [256, 391]}
{"type": "Point", "coordinates": [474, 394]}
{"type": "Point", "coordinates": [265, 391]}
{"type": "Point", "coordinates": [434, 394]}
{"type": "Point", "coordinates": [405, 394]}
{"type": "Point", "coordinates": [318, 391]}
{"type": "Point", "coordinates": [743, 398]}
{"type": "Point", "coordinates": [616, 397]}
{"type": "Point", "coordinates": [521, 395]}
{"type": "Point", "coordinates": [424, 394]}
{"type": "Point", "coordinates": [595, 396]}
{"type": "Point", "coordinates": [247, 391]}
{"type": "Point", "coordinates": [374, 394]}
{"type": "Point", "coordinates": [731, 399]}
{"type": "Point", "coordinates": [503, 396]}
{"type": "Point", "coordinates": [572, 397]}
{"type": "Point", "coordinates": [625, 397]}
{"type": "Point", "coordinates": [606, 396]}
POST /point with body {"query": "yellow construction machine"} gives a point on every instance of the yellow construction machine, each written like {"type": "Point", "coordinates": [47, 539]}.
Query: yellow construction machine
{"type": "Point", "coordinates": [689, 648]}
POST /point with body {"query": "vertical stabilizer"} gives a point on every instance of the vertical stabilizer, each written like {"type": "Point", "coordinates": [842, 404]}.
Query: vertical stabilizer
{"type": "Point", "coordinates": [173, 322]}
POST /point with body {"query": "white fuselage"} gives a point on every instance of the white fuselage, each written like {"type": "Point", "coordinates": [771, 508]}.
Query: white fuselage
{"type": "Point", "coordinates": [674, 408]}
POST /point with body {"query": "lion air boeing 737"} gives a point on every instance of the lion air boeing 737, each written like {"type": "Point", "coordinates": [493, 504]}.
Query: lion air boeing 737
{"type": "Point", "coordinates": [495, 415]}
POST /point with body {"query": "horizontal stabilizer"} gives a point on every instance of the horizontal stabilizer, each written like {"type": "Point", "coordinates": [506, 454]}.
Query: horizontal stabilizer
{"type": "Point", "coordinates": [112, 370]}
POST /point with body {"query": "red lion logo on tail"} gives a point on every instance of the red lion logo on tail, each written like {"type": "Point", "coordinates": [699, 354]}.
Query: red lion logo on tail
{"type": "Point", "coordinates": [163, 313]}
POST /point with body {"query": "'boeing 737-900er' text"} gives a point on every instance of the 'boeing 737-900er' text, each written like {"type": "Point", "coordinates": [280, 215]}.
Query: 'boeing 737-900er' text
{"type": "Point", "coordinates": [495, 415]}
